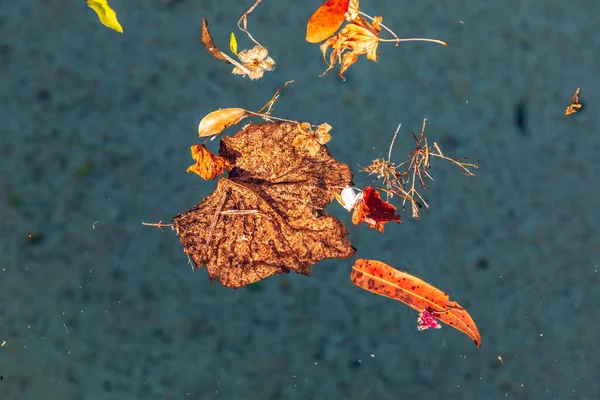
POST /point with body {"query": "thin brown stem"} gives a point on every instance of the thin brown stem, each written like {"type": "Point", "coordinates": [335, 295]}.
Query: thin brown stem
{"type": "Point", "coordinates": [243, 22]}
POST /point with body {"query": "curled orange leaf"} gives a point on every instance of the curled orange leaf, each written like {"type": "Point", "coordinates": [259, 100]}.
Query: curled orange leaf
{"type": "Point", "coordinates": [374, 211]}
{"type": "Point", "coordinates": [208, 166]}
{"type": "Point", "coordinates": [381, 279]}
{"type": "Point", "coordinates": [326, 20]}
{"type": "Point", "coordinates": [217, 121]}
{"type": "Point", "coordinates": [356, 38]}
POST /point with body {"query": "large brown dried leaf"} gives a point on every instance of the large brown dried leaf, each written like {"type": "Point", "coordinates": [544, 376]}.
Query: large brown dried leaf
{"type": "Point", "coordinates": [267, 218]}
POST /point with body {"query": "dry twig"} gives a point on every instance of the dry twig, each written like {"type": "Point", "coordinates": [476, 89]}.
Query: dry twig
{"type": "Point", "coordinates": [416, 169]}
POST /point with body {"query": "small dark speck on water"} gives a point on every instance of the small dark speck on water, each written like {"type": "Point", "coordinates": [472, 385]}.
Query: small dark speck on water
{"type": "Point", "coordinates": [43, 95]}
{"type": "Point", "coordinates": [521, 117]}
{"type": "Point", "coordinates": [483, 264]}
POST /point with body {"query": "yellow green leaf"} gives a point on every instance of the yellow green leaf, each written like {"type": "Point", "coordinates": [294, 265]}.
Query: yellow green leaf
{"type": "Point", "coordinates": [233, 44]}
{"type": "Point", "coordinates": [107, 15]}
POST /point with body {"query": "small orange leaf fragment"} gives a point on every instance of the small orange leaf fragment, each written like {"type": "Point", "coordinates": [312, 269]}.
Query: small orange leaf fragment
{"type": "Point", "coordinates": [208, 166]}
{"type": "Point", "coordinates": [326, 20]}
{"type": "Point", "coordinates": [217, 121]}
{"type": "Point", "coordinates": [374, 211]}
{"type": "Point", "coordinates": [380, 278]}
{"type": "Point", "coordinates": [575, 104]}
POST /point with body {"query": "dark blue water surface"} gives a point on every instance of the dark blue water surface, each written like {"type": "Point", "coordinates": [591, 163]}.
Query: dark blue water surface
{"type": "Point", "coordinates": [95, 135]}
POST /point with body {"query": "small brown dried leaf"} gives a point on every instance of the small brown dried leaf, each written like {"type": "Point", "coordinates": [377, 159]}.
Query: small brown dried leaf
{"type": "Point", "coordinates": [358, 37]}
{"type": "Point", "coordinates": [207, 166]}
{"type": "Point", "coordinates": [312, 140]}
{"type": "Point", "coordinates": [217, 121]}
{"type": "Point", "coordinates": [575, 104]}
{"type": "Point", "coordinates": [208, 42]}
{"type": "Point", "coordinates": [268, 217]}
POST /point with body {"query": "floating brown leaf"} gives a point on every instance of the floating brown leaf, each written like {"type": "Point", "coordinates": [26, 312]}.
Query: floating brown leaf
{"type": "Point", "coordinates": [268, 217]}
{"type": "Point", "coordinates": [207, 166]}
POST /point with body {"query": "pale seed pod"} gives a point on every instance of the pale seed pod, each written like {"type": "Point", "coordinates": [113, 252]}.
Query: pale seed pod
{"type": "Point", "coordinates": [217, 121]}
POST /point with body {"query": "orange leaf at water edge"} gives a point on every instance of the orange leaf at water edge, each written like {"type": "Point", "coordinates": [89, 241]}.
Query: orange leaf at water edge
{"type": "Point", "coordinates": [374, 211]}
{"type": "Point", "coordinates": [208, 166]}
{"type": "Point", "coordinates": [384, 280]}
{"type": "Point", "coordinates": [326, 20]}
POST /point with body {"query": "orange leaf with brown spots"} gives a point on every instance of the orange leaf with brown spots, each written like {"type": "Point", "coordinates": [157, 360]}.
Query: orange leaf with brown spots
{"type": "Point", "coordinates": [208, 165]}
{"type": "Point", "coordinates": [384, 280]}
{"type": "Point", "coordinates": [326, 20]}
{"type": "Point", "coordinates": [374, 211]}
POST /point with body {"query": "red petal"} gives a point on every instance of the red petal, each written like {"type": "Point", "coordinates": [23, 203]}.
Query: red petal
{"type": "Point", "coordinates": [374, 211]}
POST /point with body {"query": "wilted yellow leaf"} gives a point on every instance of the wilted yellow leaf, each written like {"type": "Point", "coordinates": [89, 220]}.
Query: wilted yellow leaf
{"type": "Point", "coordinates": [233, 44]}
{"type": "Point", "coordinates": [107, 15]}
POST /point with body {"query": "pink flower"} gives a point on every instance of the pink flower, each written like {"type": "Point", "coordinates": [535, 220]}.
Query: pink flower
{"type": "Point", "coordinates": [427, 320]}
